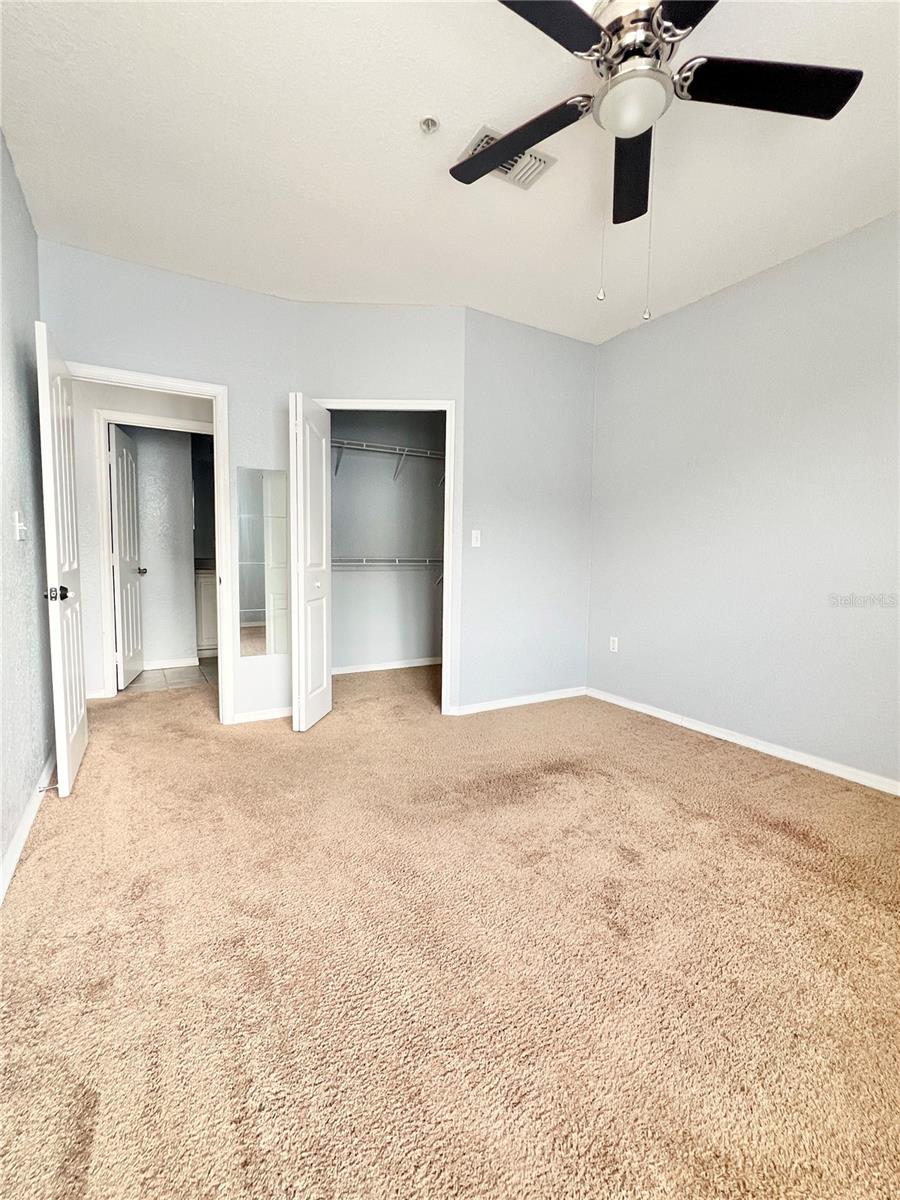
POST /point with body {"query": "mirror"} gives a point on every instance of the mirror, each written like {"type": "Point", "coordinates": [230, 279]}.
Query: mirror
{"type": "Point", "coordinates": [263, 562]}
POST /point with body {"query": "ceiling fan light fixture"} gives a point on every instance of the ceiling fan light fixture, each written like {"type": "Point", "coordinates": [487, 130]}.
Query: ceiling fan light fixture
{"type": "Point", "coordinates": [633, 99]}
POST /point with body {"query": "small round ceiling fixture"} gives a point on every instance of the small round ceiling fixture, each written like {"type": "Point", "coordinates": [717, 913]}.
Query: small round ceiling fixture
{"type": "Point", "coordinates": [429, 124]}
{"type": "Point", "coordinates": [633, 98]}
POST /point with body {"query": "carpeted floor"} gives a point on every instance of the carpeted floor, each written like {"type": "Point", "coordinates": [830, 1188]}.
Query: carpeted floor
{"type": "Point", "coordinates": [562, 952]}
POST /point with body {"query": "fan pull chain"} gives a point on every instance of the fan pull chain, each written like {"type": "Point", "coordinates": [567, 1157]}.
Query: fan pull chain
{"type": "Point", "coordinates": [601, 291]}
{"type": "Point", "coordinates": [646, 314]}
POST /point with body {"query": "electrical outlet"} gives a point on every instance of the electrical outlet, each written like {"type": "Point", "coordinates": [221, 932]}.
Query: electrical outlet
{"type": "Point", "coordinates": [476, 537]}
{"type": "Point", "coordinates": [614, 645]}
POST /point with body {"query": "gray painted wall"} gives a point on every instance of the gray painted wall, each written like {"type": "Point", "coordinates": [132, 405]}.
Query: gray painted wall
{"type": "Point", "coordinates": [165, 517]}
{"type": "Point", "coordinates": [105, 311]}
{"type": "Point", "coordinates": [89, 398]}
{"type": "Point", "coordinates": [745, 472]}
{"type": "Point", "coordinates": [387, 615]}
{"type": "Point", "coordinates": [26, 701]}
{"type": "Point", "coordinates": [529, 411]}
{"type": "Point", "coordinates": [526, 469]}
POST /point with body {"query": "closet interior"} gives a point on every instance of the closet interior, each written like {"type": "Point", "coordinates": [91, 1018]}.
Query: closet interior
{"type": "Point", "coordinates": [387, 515]}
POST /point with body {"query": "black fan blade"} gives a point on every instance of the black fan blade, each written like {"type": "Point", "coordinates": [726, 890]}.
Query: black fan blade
{"type": "Point", "coordinates": [791, 88]}
{"type": "Point", "coordinates": [561, 20]}
{"type": "Point", "coordinates": [631, 179]}
{"type": "Point", "coordinates": [685, 14]}
{"type": "Point", "coordinates": [520, 140]}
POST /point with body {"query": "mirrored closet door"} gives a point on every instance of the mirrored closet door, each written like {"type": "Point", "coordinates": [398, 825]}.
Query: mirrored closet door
{"type": "Point", "coordinates": [263, 562]}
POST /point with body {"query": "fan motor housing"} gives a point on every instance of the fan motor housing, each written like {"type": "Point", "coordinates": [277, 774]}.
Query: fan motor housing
{"type": "Point", "coordinates": [629, 24]}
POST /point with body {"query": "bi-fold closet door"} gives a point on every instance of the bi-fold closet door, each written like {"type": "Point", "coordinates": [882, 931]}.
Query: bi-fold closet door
{"type": "Point", "coordinates": [126, 543]}
{"type": "Point", "coordinates": [311, 608]}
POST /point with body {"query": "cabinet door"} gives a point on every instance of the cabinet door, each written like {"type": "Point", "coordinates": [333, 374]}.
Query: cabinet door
{"type": "Point", "coordinates": [207, 633]}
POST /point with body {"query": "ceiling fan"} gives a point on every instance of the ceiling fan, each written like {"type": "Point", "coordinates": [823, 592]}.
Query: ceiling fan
{"type": "Point", "coordinates": [628, 44]}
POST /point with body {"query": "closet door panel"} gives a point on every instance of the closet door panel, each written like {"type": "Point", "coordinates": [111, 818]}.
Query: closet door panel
{"type": "Point", "coordinates": [310, 495]}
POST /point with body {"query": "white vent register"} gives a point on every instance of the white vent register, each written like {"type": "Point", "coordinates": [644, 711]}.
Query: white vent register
{"type": "Point", "coordinates": [522, 171]}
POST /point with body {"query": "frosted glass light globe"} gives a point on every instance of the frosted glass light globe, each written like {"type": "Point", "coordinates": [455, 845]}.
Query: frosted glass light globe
{"type": "Point", "coordinates": [633, 105]}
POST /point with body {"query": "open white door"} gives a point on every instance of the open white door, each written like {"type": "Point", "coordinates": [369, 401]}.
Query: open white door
{"type": "Point", "coordinates": [57, 421]}
{"type": "Point", "coordinates": [310, 488]}
{"type": "Point", "coordinates": [127, 569]}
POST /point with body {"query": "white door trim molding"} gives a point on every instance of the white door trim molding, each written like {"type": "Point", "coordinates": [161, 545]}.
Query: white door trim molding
{"type": "Point", "coordinates": [169, 664]}
{"type": "Point", "coordinates": [466, 710]}
{"type": "Point", "coordinates": [400, 665]}
{"type": "Point", "coordinates": [262, 714]}
{"type": "Point", "coordinates": [450, 617]}
{"type": "Point", "coordinates": [218, 394]}
{"type": "Point", "coordinates": [881, 783]}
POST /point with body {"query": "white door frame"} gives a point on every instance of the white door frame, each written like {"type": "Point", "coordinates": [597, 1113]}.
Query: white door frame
{"type": "Point", "coordinates": [452, 523]}
{"type": "Point", "coordinates": [218, 429]}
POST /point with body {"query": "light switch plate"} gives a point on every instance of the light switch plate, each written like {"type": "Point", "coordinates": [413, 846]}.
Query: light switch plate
{"type": "Point", "coordinates": [476, 537]}
{"type": "Point", "coordinates": [614, 645]}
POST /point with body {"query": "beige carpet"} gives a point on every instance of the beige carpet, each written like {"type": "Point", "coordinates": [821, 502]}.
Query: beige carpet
{"type": "Point", "coordinates": [563, 951]}
{"type": "Point", "coordinates": [253, 640]}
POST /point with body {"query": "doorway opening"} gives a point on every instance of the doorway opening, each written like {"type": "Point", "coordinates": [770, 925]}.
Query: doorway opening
{"type": "Point", "coordinates": [372, 543]}
{"type": "Point", "coordinates": [387, 528]}
{"type": "Point", "coordinates": [151, 519]}
{"type": "Point", "coordinates": [162, 557]}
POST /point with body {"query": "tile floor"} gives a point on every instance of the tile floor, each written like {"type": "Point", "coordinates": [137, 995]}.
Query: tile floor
{"type": "Point", "coordinates": [207, 674]}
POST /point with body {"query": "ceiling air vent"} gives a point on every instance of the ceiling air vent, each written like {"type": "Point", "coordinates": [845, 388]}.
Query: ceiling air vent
{"type": "Point", "coordinates": [523, 170]}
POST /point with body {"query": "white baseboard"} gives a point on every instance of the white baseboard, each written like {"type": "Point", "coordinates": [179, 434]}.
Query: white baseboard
{"type": "Point", "coordinates": [162, 664]}
{"type": "Point", "coordinates": [102, 695]}
{"type": "Point", "coordinates": [263, 714]}
{"type": "Point", "coordinates": [391, 666]}
{"type": "Point", "coordinates": [881, 783]}
{"type": "Point", "coordinates": [464, 710]}
{"type": "Point", "coordinates": [17, 845]}
{"type": "Point", "coordinates": [210, 652]}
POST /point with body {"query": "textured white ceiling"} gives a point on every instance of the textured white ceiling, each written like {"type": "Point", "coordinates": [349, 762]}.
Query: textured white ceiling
{"type": "Point", "coordinates": [277, 147]}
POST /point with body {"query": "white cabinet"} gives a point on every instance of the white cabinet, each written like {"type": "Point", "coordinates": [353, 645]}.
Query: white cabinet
{"type": "Point", "coordinates": [207, 631]}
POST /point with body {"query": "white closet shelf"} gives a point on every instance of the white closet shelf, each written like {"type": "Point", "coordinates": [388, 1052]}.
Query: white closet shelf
{"type": "Point", "coordinates": [402, 452]}
{"type": "Point", "coordinates": [386, 562]}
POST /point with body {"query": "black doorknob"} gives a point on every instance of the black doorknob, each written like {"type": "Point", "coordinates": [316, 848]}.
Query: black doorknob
{"type": "Point", "coordinates": [142, 570]}
{"type": "Point", "coordinates": [63, 592]}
